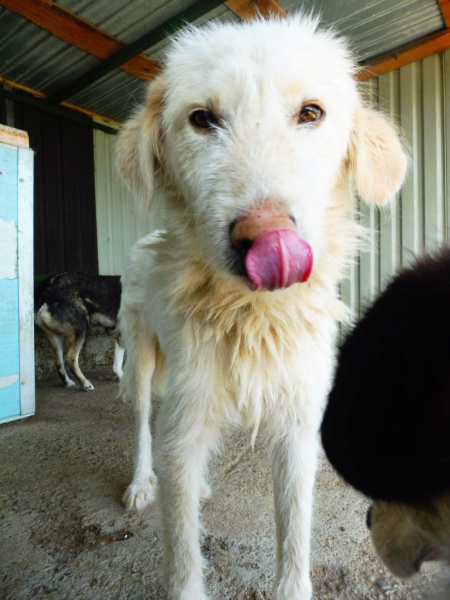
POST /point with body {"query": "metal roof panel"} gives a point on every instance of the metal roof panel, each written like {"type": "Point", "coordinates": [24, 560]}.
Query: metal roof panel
{"type": "Point", "coordinates": [374, 27]}
{"type": "Point", "coordinates": [34, 58]}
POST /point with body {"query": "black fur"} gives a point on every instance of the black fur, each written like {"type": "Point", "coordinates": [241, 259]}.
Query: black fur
{"type": "Point", "coordinates": [68, 293]}
{"type": "Point", "coordinates": [386, 428]}
{"type": "Point", "coordinates": [66, 305]}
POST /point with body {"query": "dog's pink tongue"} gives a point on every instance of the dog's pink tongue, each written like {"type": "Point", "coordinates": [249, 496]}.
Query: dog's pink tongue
{"type": "Point", "coordinates": [277, 259]}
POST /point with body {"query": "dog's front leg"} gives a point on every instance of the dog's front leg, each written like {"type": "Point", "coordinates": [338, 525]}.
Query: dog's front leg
{"type": "Point", "coordinates": [136, 384]}
{"type": "Point", "coordinates": [294, 460]}
{"type": "Point", "coordinates": [184, 441]}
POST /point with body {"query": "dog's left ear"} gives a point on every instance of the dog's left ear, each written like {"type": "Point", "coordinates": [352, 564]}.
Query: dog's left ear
{"type": "Point", "coordinates": [137, 146]}
{"type": "Point", "coordinates": [376, 156]}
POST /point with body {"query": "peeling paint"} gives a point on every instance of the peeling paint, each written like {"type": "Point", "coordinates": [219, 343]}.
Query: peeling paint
{"type": "Point", "coordinates": [8, 380]}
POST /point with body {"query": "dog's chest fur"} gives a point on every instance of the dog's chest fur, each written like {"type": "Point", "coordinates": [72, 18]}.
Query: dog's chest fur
{"type": "Point", "coordinates": [250, 353]}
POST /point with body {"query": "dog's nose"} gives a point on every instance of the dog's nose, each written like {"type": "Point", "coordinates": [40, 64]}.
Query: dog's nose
{"type": "Point", "coordinates": [268, 250]}
{"type": "Point", "coordinates": [255, 222]}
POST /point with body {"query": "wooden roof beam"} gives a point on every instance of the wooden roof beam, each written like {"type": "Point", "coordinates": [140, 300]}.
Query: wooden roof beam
{"type": "Point", "coordinates": [98, 121]}
{"type": "Point", "coordinates": [432, 44]}
{"type": "Point", "coordinates": [445, 9]}
{"type": "Point", "coordinates": [126, 53]}
{"type": "Point", "coordinates": [249, 9]}
{"type": "Point", "coordinates": [75, 31]}
{"type": "Point", "coordinates": [70, 28]}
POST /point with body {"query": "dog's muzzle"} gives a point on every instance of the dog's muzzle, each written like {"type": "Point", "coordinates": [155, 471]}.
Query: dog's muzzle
{"type": "Point", "coordinates": [268, 250]}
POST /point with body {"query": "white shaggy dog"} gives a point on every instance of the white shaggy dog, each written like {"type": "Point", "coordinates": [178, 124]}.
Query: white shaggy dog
{"type": "Point", "coordinates": [255, 131]}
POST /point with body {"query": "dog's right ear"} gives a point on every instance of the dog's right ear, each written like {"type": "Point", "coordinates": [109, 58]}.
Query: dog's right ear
{"type": "Point", "coordinates": [137, 147]}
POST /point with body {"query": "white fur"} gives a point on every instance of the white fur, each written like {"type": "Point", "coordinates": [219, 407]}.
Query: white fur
{"type": "Point", "coordinates": [219, 352]}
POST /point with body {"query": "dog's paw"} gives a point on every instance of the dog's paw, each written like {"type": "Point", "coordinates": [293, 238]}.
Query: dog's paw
{"type": "Point", "coordinates": [293, 590]}
{"type": "Point", "coordinates": [195, 596]}
{"type": "Point", "coordinates": [69, 383]}
{"type": "Point", "coordinates": [88, 387]}
{"type": "Point", "coordinates": [140, 494]}
{"type": "Point", "coordinates": [192, 592]}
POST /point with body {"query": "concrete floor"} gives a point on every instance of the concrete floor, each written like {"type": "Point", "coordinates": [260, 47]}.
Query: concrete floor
{"type": "Point", "coordinates": [65, 535]}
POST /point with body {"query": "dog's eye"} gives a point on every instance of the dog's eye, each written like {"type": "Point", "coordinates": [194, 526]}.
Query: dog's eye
{"type": "Point", "coordinates": [310, 113]}
{"type": "Point", "coordinates": [203, 119]}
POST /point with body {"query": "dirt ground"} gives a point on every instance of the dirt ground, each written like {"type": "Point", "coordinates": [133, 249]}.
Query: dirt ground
{"type": "Point", "coordinates": [65, 535]}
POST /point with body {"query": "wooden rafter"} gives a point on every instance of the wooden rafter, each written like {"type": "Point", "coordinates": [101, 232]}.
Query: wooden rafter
{"type": "Point", "coordinates": [445, 9]}
{"type": "Point", "coordinates": [249, 9]}
{"type": "Point", "coordinates": [23, 88]}
{"type": "Point", "coordinates": [75, 31]}
{"type": "Point", "coordinates": [406, 55]}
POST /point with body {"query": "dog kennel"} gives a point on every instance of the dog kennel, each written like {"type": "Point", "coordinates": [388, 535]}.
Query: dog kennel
{"type": "Point", "coordinates": [17, 394]}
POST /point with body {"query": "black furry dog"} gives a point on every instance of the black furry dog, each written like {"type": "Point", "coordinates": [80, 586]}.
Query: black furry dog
{"type": "Point", "coordinates": [66, 305]}
{"type": "Point", "coordinates": [386, 428]}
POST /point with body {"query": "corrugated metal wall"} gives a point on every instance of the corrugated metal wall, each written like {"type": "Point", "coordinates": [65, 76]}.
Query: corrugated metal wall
{"type": "Point", "coordinates": [119, 222]}
{"type": "Point", "coordinates": [417, 97]}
